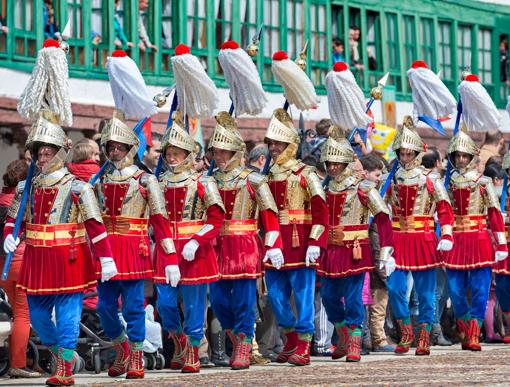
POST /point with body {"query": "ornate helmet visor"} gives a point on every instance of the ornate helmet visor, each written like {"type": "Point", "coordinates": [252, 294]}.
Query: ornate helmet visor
{"type": "Point", "coordinates": [226, 134]}
{"type": "Point", "coordinates": [281, 128]}
{"type": "Point", "coordinates": [337, 151]}
{"type": "Point", "coordinates": [116, 130]}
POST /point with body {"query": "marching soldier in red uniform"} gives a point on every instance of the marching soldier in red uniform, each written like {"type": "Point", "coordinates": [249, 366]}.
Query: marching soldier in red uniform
{"type": "Point", "coordinates": [247, 201]}
{"type": "Point", "coordinates": [303, 219]}
{"type": "Point", "coordinates": [469, 263]}
{"type": "Point", "coordinates": [196, 214]}
{"type": "Point", "coordinates": [126, 195]}
{"type": "Point", "coordinates": [61, 213]}
{"type": "Point", "coordinates": [350, 201]}
{"type": "Point", "coordinates": [415, 196]}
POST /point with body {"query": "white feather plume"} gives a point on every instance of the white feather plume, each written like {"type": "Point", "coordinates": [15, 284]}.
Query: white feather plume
{"type": "Point", "coordinates": [478, 110]}
{"type": "Point", "coordinates": [129, 91]}
{"type": "Point", "coordinates": [48, 87]}
{"type": "Point", "coordinates": [298, 88]}
{"type": "Point", "coordinates": [431, 97]}
{"type": "Point", "coordinates": [346, 101]}
{"type": "Point", "coordinates": [192, 81]}
{"type": "Point", "coordinates": [243, 78]}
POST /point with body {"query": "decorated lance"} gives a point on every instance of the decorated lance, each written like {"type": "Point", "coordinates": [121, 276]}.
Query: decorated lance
{"type": "Point", "coordinates": [375, 94]}
{"type": "Point", "coordinates": [19, 216]}
{"type": "Point", "coordinates": [252, 50]}
{"type": "Point", "coordinates": [301, 62]}
{"type": "Point", "coordinates": [160, 100]}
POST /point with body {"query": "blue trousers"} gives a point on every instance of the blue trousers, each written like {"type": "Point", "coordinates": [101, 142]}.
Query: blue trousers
{"type": "Point", "coordinates": [280, 285]}
{"type": "Point", "coordinates": [233, 303]}
{"type": "Point", "coordinates": [131, 293]}
{"type": "Point", "coordinates": [67, 314]}
{"type": "Point", "coordinates": [503, 291]}
{"type": "Point", "coordinates": [194, 298]}
{"type": "Point", "coordinates": [460, 281]}
{"type": "Point", "coordinates": [350, 289]}
{"type": "Point", "coordinates": [425, 288]}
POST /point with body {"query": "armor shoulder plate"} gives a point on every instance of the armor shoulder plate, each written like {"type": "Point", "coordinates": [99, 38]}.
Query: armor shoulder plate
{"type": "Point", "coordinates": [376, 203]}
{"type": "Point", "coordinates": [313, 182]}
{"type": "Point", "coordinates": [491, 197]}
{"type": "Point", "coordinates": [264, 196]}
{"type": "Point", "coordinates": [366, 185]}
{"type": "Point", "coordinates": [156, 199]}
{"type": "Point", "coordinates": [212, 195]}
{"type": "Point", "coordinates": [440, 192]}
{"type": "Point", "coordinates": [87, 201]}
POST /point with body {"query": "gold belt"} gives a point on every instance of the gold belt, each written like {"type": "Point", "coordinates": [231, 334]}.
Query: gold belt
{"type": "Point", "coordinates": [49, 235]}
{"type": "Point", "coordinates": [470, 223]}
{"type": "Point", "coordinates": [239, 227]}
{"type": "Point", "coordinates": [339, 235]}
{"type": "Point", "coordinates": [123, 225]}
{"type": "Point", "coordinates": [413, 223]}
{"type": "Point", "coordinates": [286, 217]}
{"type": "Point", "coordinates": [185, 230]}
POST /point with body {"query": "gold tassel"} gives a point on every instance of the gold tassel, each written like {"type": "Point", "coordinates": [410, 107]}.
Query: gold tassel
{"type": "Point", "coordinates": [356, 250]}
{"type": "Point", "coordinates": [144, 249]}
{"type": "Point", "coordinates": [72, 248]}
{"type": "Point", "coordinates": [295, 237]}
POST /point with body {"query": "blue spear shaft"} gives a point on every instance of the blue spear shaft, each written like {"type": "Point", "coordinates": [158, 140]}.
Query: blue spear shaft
{"type": "Point", "coordinates": [173, 107]}
{"type": "Point", "coordinates": [19, 216]}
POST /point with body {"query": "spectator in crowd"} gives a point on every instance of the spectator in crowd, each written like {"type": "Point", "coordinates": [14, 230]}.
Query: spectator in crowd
{"type": "Point", "coordinates": [494, 145]}
{"type": "Point", "coordinates": [257, 157]}
{"type": "Point", "coordinates": [503, 62]}
{"type": "Point", "coordinates": [3, 26]}
{"type": "Point", "coordinates": [85, 162]}
{"type": "Point", "coordinates": [354, 40]}
{"type": "Point", "coordinates": [16, 172]}
{"type": "Point", "coordinates": [145, 41]}
{"type": "Point", "coordinates": [372, 170]}
{"type": "Point", "coordinates": [120, 36]}
{"type": "Point", "coordinates": [432, 160]}
{"type": "Point", "coordinates": [51, 30]}
{"type": "Point", "coordinates": [199, 162]}
{"type": "Point", "coordinates": [151, 156]}
{"type": "Point", "coordinates": [338, 50]}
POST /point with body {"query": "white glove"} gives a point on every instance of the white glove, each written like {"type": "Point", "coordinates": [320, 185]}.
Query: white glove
{"type": "Point", "coordinates": [387, 260]}
{"type": "Point", "coordinates": [501, 255]}
{"type": "Point", "coordinates": [173, 275]}
{"type": "Point", "coordinates": [276, 257]}
{"type": "Point", "coordinates": [189, 250]}
{"type": "Point", "coordinates": [108, 268]}
{"type": "Point", "coordinates": [312, 253]}
{"type": "Point", "coordinates": [444, 245]}
{"type": "Point", "coordinates": [10, 244]}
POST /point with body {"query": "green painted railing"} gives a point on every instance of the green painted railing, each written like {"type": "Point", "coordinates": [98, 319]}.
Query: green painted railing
{"type": "Point", "coordinates": [391, 28]}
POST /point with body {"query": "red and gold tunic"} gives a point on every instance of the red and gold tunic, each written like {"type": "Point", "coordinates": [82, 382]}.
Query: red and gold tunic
{"type": "Point", "coordinates": [503, 267]}
{"type": "Point", "coordinates": [248, 201]}
{"type": "Point", "coordinates": [474, 200]}
{"type": "Point", "coordinates": [62, 211]}
{"type": "Point", "coordinates": [415, 197]}
{"type": "Point", "coordinates": [195, 211]}
{"type": "Point", "coordinates": [130, 200]}
{"type": "Point", "coordinates": [350, 201]}
{"type": "Point", "coordinates": [302, 210]}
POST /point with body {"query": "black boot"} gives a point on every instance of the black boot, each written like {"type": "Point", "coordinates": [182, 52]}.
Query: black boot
{"type": "Point", "coordinates": [218, 355]}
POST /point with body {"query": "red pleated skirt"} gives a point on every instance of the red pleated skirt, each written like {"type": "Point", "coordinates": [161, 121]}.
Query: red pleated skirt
{"type": "Point", "coordinates": [203, 269]}
{"type": "Point", "coordinates": [132, 257]}
{"type": "Point", "coordinates": [240, 256]}
{"type": "Point", "coordinates": [339, 261]}
{"type": "Point", "coordinates": [471, 250]}
{"type": "Point", "coordinates": [57, 269]}
{"type": "Point", "coordinates": [416, 250]}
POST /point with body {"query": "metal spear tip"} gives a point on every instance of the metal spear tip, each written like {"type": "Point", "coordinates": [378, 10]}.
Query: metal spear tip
{"type": "Point", "coordinates": [301, 59]}
{"type": "Point", "coordinates": [382, 82]}
{"type": "Point", "coordinates": [66, 34]}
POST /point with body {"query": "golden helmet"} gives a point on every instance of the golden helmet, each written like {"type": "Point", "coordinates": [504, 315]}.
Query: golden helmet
{"type": "Point", "coordinates": [461, 142]}
{"type": "Point", "coordinates": [117, 130]}
{"type": "Point", "coordinates": [408, 137]}
{"type": "Point", "coordinates": [281, 128]}
{"type": "Point", "coordinates": [226, 135]}
{"type": "Point", "coordinates": [47, 130]}
{"type": "Point", "coordinates": [337, 148]}
{"type": "Point", "coordinates": [177, 136]}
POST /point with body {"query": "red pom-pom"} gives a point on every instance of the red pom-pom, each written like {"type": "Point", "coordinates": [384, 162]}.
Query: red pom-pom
{"type": "Point", "coordinates": [280, 55]}
{"type": "Point", "coordinates": [472, 78]}
{"type": "Point", "coordinates": [340, 66]}
{"type": "Point", "coordinates": [182, 49]}
{"type": "Point", "coordinates": [419, 64]}
{"type": "Point", "coordinates": [229, 44]}
{"type": "Point", "coordinates": [51, 43]}
{"type": "Point", "coordinates": [119, 54]}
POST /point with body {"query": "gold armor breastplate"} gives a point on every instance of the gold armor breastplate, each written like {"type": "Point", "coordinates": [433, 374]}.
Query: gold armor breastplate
{"type": "Point", "coordinates": [467, 193]}
{"type": "Point", "coordinates": [344, 204]}
{"type": "Point", "coordinates": [239, 200]}
{"type": "Point", "coordinates": [185, 196]}
{"type": "Point", "coordinates": [411, 196]}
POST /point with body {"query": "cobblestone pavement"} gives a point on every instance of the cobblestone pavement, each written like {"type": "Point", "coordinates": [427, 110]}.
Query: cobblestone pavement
{"type": "Point", "coordinates": [447, 366]}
